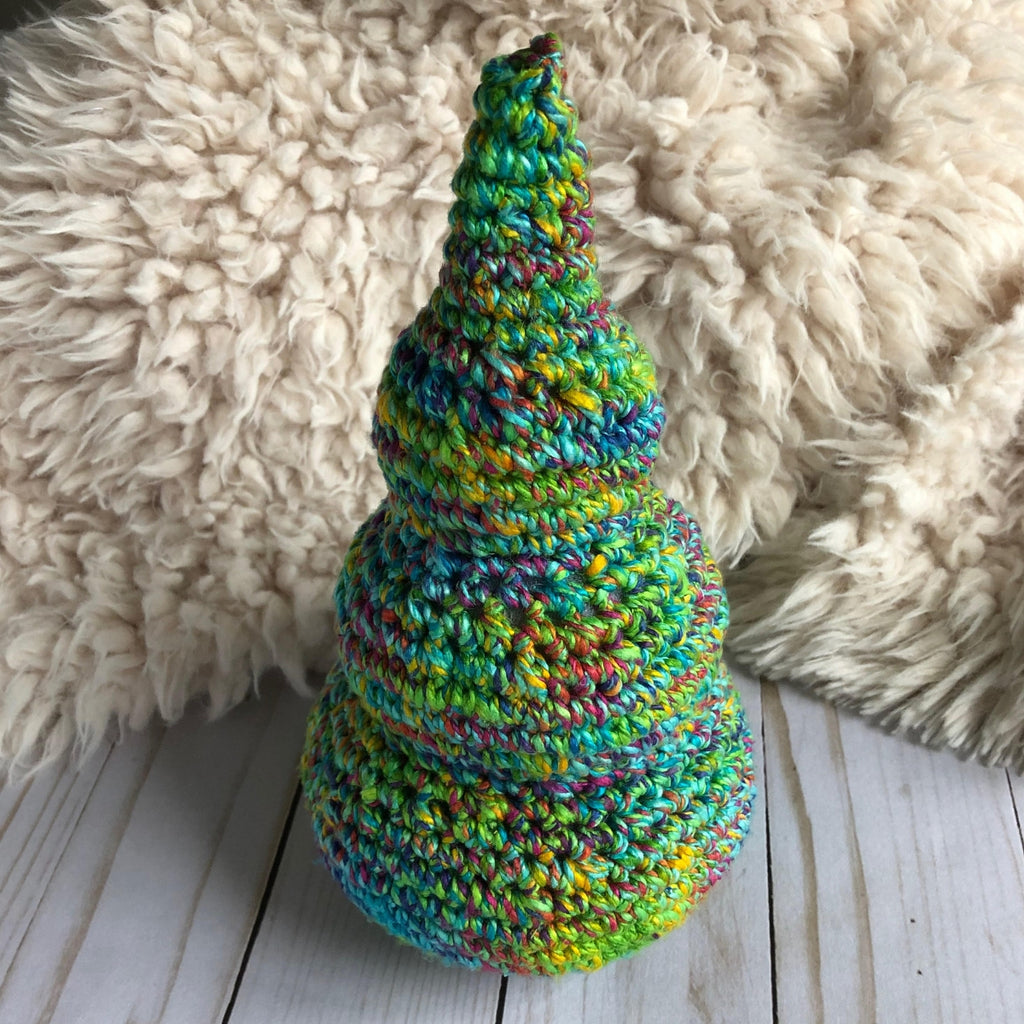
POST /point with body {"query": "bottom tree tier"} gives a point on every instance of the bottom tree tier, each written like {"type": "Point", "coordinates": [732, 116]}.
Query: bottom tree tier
{"type": "Point", "coordinates": [529, 876]}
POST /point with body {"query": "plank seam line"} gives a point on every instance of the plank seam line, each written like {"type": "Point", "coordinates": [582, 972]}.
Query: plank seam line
{"type": "Point", "coordinates": [1013, 804]}
{"type": "Point", "coordinates": [768, 864]}
{"type": "Point", "coordinates": [267, 890]}
{"type": "Point", "coordinates": [499, 1013]}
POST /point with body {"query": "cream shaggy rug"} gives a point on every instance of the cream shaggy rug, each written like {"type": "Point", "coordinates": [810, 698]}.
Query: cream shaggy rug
{"type": "Point", "coordinates": [216, 215]}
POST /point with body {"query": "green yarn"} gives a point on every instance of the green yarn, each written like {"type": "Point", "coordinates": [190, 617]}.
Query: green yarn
{"type": "Point", "coordinates": [529, 756]}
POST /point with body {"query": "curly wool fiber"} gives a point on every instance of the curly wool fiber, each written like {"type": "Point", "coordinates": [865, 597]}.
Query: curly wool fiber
{"type": "Point", "coordinates": [217, 215]}
{"type": "Point", "coordinates": [529, 756]}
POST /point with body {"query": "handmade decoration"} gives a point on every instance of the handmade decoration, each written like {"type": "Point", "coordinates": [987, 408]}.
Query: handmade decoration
{"type": "Point", "coordinates": [529, 756]}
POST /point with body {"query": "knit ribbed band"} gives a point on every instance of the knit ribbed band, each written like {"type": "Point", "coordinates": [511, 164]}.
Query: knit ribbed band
{"type": "Point", "coordinates": [529, 755]}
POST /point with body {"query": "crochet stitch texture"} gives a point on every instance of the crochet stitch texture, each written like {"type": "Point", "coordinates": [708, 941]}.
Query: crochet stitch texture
{"type": "Point", "coordinates": [529, 756]}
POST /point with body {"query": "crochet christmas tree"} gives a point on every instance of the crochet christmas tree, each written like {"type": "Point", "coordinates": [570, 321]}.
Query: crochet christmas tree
{"type": "Point", "coordinates": [529, 756]}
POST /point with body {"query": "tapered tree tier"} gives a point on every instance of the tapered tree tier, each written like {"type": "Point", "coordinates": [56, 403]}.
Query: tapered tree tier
{"type": "Point", "coordinates": [518, 402]}
{"type": "Point", "coordinates": [542, 427]}
{"type": "Point", "coordinates": [528, 876]}
{"type": "Point", "coordinates": [501, 737]}
{"type": "Point", "coordinates": [583, 657]}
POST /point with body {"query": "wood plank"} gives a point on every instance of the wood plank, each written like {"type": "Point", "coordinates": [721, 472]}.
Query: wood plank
{"type": "Point", "coordinates": [149, 911]}
{"type": "Point", "coordinates": [37, 816]}
{"type": "Point", "coordinates": [898, 874]}
{"type": "Point", "coordinates": [715, 967]}
{"type": "Point", "coordinates": [318, 959]}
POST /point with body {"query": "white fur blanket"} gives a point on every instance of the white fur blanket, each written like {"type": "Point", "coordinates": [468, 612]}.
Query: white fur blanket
{"type": "Point", "coordinates": [216, 215]}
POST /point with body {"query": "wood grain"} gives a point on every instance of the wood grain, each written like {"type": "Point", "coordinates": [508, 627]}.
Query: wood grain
{"type": "Point", "coordinates": [149, 912]}
{"type": "Point", "coordinates": [37, 818]}
{"type": "Point", "coordinates": [898, 875]}
{"type": "Point", "coordinates": [715, 967]}
{"type": "Point", "coordinates": [318, 959]}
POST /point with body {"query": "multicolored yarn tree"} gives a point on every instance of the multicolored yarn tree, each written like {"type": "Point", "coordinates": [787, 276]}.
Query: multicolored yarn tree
{"type": "Point", "coordinates": [529, 756]}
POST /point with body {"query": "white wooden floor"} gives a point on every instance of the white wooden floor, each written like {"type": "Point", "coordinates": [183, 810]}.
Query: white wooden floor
{"type": "Point", "coordinates": [175, 880]}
